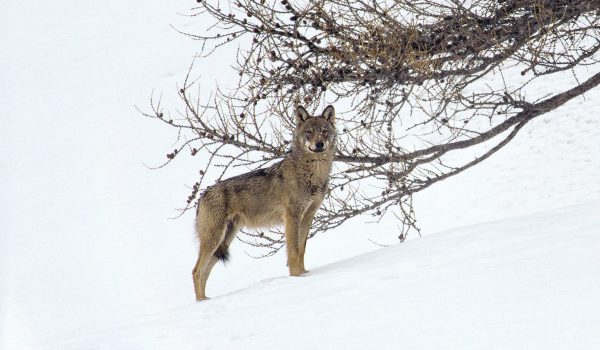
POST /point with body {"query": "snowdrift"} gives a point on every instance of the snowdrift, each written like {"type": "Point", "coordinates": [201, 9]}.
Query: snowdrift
{"type": "Point", "coordinates": [526, 283]}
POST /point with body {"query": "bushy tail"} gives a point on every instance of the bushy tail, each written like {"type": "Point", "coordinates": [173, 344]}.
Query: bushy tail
{"type": "Point", "coordinates": [222, 252]}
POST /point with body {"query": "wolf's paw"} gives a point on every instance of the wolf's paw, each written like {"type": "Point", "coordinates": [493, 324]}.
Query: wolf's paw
{"type": "Point", "coordinates": [296, 272]}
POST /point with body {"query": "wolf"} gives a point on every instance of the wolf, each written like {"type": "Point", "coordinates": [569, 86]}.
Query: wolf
{"type": "Point", "coordinates": [287, 193]}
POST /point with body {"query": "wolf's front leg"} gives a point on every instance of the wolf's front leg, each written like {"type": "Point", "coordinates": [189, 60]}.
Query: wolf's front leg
{"type": "Point", "coordinates": [292, 228]}
{"type": "Point", "coordinates": [305, 224]}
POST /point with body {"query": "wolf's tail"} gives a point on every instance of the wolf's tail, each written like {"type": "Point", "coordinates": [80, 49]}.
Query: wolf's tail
{"type": "Point", "coordinates": [222, 252]}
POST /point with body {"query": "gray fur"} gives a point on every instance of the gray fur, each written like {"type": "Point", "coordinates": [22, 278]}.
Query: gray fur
{"type": "Point", "coordinates": [287, 193]}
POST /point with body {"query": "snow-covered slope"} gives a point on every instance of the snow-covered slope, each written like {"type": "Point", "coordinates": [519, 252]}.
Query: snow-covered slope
{"type": "Point", "coordinates": [526, 283]}
{"type": "Point", "coordinates": [89, 258]}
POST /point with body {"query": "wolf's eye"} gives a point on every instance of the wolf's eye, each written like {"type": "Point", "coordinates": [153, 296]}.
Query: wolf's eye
{"type": "Point", "coordinates": [308, 132]}
{"type": "Point", "coordinates": [325, 132]}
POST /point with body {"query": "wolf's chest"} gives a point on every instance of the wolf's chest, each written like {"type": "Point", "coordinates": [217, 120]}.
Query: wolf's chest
{"type": "Point", "coordinates": [311, 191]}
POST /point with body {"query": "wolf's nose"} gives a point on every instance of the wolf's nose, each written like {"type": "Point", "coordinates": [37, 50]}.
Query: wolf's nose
{"type": "Point", "coordinates": [319, 145]}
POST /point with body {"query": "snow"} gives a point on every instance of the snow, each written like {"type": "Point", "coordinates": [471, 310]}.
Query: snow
{"type": "Point", "coordinates": [90, 260]}
{"type": "Point", "coordinates": [529, 283]}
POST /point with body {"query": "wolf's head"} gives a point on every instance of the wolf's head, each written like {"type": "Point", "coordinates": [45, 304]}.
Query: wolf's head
{"type": "Point", "coordinates": [315, 134]}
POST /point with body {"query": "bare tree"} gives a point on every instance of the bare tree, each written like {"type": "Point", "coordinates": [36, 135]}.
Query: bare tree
{"type": "Point", "coordinates": [417, 79]}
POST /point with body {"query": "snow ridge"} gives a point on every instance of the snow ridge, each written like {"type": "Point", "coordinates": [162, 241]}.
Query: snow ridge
{"type": "Point", "coordinates": [524, 283]}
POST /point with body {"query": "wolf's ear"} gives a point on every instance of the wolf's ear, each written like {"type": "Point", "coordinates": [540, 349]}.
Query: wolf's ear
{"type": "Point", "coordinates": [329, 114]}
{"type": "Point", "coordinates": [301, 115]}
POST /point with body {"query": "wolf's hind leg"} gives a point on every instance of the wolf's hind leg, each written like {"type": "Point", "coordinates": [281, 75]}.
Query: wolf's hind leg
{"type": "Point", "coordinates": [211, 235]}
{"type": "Point", "coordinates": [221, 253]}
{"type": "Point", "coordinates": [206, 260]}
